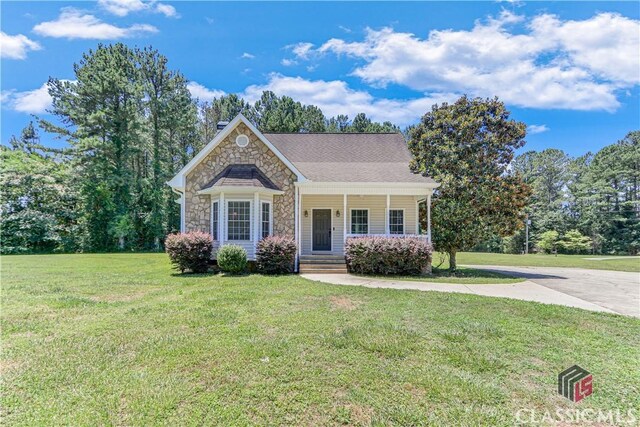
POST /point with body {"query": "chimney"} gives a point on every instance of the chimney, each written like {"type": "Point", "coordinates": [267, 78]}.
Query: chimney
{"type": "Point", "coordinates": [221, 125]}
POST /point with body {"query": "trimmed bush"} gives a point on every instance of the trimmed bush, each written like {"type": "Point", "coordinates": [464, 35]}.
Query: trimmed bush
{"type": "Point", "coordinates": [388, 255]}
{"type": "Point", "coordinates": [276, 255]}
{"type": "Point", "coordinates": [189, 251]}
{"type": "Point", "coordinates": [232, 259]}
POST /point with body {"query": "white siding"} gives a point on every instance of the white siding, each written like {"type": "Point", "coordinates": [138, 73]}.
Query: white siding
{"type": "Point", "coordinates": [377, 206]}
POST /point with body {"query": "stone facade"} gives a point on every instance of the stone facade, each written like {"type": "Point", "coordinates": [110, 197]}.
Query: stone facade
{"type": "Point", "coordinates": [198, 207]}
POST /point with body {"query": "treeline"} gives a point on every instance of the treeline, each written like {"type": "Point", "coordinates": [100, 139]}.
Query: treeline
{"type": "Point", "coordinates": [585, 204]}
{"type": "Point", "coordinates": [130, 123]}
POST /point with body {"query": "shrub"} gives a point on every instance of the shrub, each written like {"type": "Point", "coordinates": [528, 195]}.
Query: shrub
{"type": "Point", "coordinates": [388, 255]}
{"type": "Point", "coordinates": [232, 259]}
{"type": "Point", "coordinates": [189, 251]}
{"type": "Point", "coordinates": [276, 255]}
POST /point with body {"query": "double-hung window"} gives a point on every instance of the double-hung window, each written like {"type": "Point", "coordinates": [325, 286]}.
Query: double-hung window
{"type": "Point", "coordinates": [239, 220]}
{"type": "Point", "coordinates": [396, 221]}
{"type": "Point", "coordinates": [359, 221]}
{"type": "Point", "coordinates": [265, 219]}
{"type": "Point", "coordinates": [214, 220]}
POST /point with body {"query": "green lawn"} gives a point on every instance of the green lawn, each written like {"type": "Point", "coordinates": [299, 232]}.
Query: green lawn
{"type": "Point", "coordinates": [539, 260]}
{"type": "Point", "coordinates": [120, 339]}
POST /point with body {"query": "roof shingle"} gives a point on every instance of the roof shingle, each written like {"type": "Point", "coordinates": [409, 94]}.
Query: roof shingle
{"type": "Point", "coordinates": [348, 157]}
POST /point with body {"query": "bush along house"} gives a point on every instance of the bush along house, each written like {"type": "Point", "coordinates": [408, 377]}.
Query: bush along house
{"type": "Point", "coordinates": [319, 188]}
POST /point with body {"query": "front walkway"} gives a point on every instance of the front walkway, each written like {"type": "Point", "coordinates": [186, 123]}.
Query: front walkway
{"type": "Point", "coordinates": [526, 291]}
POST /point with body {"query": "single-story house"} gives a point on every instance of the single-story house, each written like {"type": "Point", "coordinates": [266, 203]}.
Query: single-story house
{"type": "Point", "coordinates": [319, 188]}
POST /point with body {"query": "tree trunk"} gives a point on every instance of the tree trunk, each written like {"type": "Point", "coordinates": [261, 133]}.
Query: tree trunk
{"type": "Point", "coordinates": [452, 262]}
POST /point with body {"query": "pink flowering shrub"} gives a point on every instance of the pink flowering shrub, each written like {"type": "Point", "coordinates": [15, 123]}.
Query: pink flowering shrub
{"type": "Point", "coordinates": [189, 251]}
{"type": "Point", "coordinates": [276, 255]}
{"type": "Point", "coordinates": [388, 255]}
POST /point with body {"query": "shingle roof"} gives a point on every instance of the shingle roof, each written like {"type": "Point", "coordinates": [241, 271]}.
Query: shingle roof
{"type": "Point", "coordinates": [348, 157]}
{"type": "Point", "coordinates": [241, 176]}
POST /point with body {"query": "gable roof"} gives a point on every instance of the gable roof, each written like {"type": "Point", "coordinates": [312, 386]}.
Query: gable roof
{"type": "Point", "coordinates": [348, 157]}
{"type": "Point", "coordinates": [178, 181]}
{"type": "Point", "coordinates": [241, 176]}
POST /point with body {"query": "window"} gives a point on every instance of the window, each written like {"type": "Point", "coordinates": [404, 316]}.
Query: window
{"type": "Point", "coordinates": [396, 221]}
{"type": "Point", "coordinates": [359, 221]}
{"type": "Point", "coordinates": [214, 220]}
{"type": "Point", "coordinates": [265, 219]}
{"type": "Point", "coordinates": [239, 221]}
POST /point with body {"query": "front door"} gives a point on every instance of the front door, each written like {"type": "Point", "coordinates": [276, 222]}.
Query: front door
{"type": "Point", "coordinates": [321, 229]}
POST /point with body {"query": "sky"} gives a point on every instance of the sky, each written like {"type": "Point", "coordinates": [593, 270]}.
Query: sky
{"type": "Point", "coordinates": [569, 70]}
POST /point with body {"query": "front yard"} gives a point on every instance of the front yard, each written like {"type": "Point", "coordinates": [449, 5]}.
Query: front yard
{"type": "Point", "coordinates": [121, 339]}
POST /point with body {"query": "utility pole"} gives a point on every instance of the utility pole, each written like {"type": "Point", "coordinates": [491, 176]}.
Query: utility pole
{"type": "Point", "coordinates": [526, 245]}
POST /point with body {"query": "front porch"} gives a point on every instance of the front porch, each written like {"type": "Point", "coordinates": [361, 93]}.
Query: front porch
{"type": "Point", "coordinates": [325, 221]}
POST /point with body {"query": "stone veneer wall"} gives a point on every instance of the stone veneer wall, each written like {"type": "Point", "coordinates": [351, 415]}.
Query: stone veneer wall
{"type": "Point", "coordinates": [198, 207]}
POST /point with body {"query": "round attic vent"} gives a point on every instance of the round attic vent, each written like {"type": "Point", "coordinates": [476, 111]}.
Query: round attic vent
{"type": "Point", "coordinates": [242, 140]}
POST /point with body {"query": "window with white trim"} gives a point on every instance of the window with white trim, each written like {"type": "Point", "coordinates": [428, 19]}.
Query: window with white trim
{"type": "Point", "coordinates": [239, 220]}
{"type": "Point", "coordinates": [396, 221]}
{"type": "Point", "coordinates": [265, 219]}
{"type": "Point", "coordinates": [214, 220]}
{"type": "Point", "coordinates": [359, 221]}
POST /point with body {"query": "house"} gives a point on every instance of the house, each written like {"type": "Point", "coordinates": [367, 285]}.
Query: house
{"type": "Point", "coordinates": [319, 188]}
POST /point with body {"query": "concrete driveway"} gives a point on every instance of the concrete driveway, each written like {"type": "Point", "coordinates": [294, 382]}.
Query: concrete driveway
{"type": "Point", "coordinates": [618, 291]}
{"type": "Point", "coordinates": [595, 290]}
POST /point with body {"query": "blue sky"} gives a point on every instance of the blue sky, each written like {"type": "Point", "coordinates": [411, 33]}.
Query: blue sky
{"type": "Point", "coordinates": [570, 70]}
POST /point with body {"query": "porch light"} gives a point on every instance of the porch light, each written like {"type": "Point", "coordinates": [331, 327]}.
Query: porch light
{"type": "Point", "coordinates": [306, 214]}
{"type": "Point", "coordinates": [338, 213]}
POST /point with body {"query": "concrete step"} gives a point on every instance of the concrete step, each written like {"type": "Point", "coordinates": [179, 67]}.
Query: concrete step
{"type": "Point", "coordinates": [322, 257]}
{"type": "Point", "coordinates": [323, 271]}
{"type": "Point", "coordinates": [322, 261]}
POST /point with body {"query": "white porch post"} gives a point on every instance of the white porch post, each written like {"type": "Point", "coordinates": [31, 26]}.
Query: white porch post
{"type": "Point", "coordinates": [344, 220]}
{"type": "Point", "coordinates": [256, 218]}
{"type": "Point", "coordinates": [296, 225]}
{"type": "Point", "coordinates": [386, 218]}
{"type": "Point", "coordinates": [222, 208]}
{"type": "Point", "coordinates": [429, 217]}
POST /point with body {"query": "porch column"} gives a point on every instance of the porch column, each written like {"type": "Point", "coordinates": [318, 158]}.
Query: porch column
{"type": "Point", "coordinates": [386, 217]}
{"type": "Point", "coordinates": [429, 217]}
{"type": "Point", "coordinates": [344, 220]}
{"type": "Point", "coordinates": [296, 225]}
{"type": "Point", "coordinates": [222, 209]}
{"type": "Point", "coordinates": [256, 217]}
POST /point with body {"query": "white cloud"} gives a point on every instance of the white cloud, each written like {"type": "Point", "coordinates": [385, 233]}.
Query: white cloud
{"type": "Point", "coordinates": [202, 93]}
{"type": "Point", "coordinates": [167, 10]}
{"type": "Point", "coordinates": [288, 62]}
{"type": "Point", "coordinates": [543, 63]}
{"type": "Point", "coordinates": [301, 50]}
{"type": "Point", "coordinates": [16, 47]}
{"type": "Point", "coordinates": [335, 97]}
{"type": "Point", "coordinates": [247, 55]}
{"type": "Point", "coordinates": [533, 129]}
{"type": "Point", "coordinates": [31, 101]}
{"type": "Point", "coordinates": [124, 7]}
{"type": "Point", "coordinates": [75, 24]}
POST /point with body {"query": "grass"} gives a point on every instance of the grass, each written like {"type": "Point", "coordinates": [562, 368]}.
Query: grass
{"type": "Point", "coordinates": [121, 339]}
{"type": "Point", "coordinates": [540, 260]}
{"type": "Point", "coordinates": [463, 275]}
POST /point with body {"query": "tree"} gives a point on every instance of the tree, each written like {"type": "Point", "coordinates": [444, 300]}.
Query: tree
{"type": "Point", "coordinates": [131, 124]}
{"type": "Point", "coordinates": [39, 202]}
{"type": "Point", "coordinates": [548, 241]}
{"type": "Point", "coordinates": [573, 242]}
{"type": "Point", "coordinates": [467, 147]}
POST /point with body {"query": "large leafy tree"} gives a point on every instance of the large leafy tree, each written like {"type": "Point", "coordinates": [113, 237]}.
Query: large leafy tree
{"type": "Point", "coordinates": [39, 202]}
{"type": "Point", "coordinates": [467, 147]}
